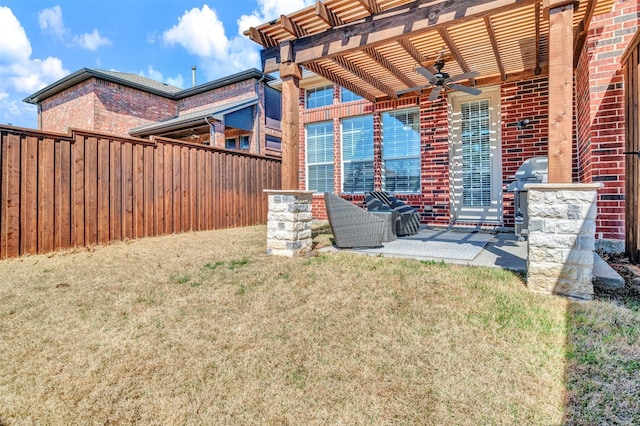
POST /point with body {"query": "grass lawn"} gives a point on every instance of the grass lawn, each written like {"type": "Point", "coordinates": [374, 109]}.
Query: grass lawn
{"type": "Point", "coordinates": [204, 328]}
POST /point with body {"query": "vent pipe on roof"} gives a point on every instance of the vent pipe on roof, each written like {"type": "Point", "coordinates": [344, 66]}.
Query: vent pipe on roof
{"type": "Point", "coordinates": [193, 76]}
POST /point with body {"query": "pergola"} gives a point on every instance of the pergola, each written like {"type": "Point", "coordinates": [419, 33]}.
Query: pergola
{"type": "Point", "coordinates": [373, 47]}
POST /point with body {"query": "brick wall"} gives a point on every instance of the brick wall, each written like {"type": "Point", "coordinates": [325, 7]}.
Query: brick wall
{"type": "Point", "coordinates": [120, 108]}
{"type": "Point", "coordinates": [609, 37]}
{"type": "Point", "coordinates": [71, 108]}
{"type": "Point", "coordinates": [231, 93]}
{"type": "Point", "coordinates": [522, 100]}
{"type": "Point", "coordinates": [104, 107]}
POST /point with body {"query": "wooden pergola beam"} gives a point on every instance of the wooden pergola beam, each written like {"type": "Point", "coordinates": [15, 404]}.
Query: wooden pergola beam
{"type": "Point", "coordinates": [494, 44]}
{"type": "Point", "coordinates": [291, 27]}
{"type": "Point", "coordinates": [261, 38]}
{"type": "Point", "coordinates": [322, 72]}
{"type": "Point", "coordinates": [327, 15]}
{"type": "Point", "coordinates": [372, 6]}
{"type": "Point", "coordinates": [363, 75]}
{"type": "Point", "coordinates": [389, 66]}
{"type": "Point", "coordinates": [560, 92]}
{"type": "Point", "coordinates": [537, 23]}
{"type": "Point", "coordinates": [398, 23]}
{"type": "Point", "coordinates": [451, 45]}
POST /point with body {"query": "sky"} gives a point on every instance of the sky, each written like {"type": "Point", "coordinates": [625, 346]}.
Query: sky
{"type": "Point", "coordinates": [44, 41]}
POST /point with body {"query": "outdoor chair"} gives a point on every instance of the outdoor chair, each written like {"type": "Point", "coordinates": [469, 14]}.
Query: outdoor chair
{"type": "Point", "coordinates": [408, 222]}
{"type": "Point", "coordinates": [351, 225]}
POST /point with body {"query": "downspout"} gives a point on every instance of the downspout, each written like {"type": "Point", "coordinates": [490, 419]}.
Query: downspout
{"type": "Point", "coordinates": [264, 97]}
{"type": "Point", "coordinates": [212, 132]}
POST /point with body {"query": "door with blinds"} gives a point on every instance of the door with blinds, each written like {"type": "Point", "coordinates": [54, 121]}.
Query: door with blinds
{"type": "Point", "coordinates": [475, 157]}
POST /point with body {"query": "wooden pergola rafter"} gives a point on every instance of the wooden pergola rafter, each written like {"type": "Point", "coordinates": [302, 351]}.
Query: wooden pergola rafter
{"type": "Point", "coordinates": [372, 48]}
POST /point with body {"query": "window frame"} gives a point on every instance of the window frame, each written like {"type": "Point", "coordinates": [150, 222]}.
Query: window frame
{"type": "Point", "coordinates": [342, 93]}
{"type": "Point", "coordinates": [330, 163]}
{"type": "Point", "coordinates": [414, 158]}
{"type": "Point", "coordinates": [226, 143]}
{"type": "Point", "coordinates": [346, 164]}
{"type": "Point", "coordinates": [317, 89]}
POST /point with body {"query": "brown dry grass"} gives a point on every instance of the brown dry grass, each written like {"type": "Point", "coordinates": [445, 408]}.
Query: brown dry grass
{"type": "Point", "coordinates": [204, 328]}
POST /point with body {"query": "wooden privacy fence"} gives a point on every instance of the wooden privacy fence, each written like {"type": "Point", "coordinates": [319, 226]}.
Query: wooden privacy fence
{"type": "Point", "coordinates": [59, 191]}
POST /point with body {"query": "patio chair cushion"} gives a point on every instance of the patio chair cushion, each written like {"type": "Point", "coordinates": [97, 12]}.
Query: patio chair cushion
{"type": "Point", "coordinates": [408, 218]}
{"type": "Point", "coordinates": [375, 205]}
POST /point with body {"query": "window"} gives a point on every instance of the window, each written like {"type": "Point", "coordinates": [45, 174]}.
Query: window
{"type": "Point", "coordinates": [401, 151]}
{"type": "Point", "coordinates": [348, 96]}
{"type": "Point", "coordinates": [357, 154]}
{"type": "Point", "coordinates": [319, 97]}
{"type": "Point", "coordinates": [320, 157]}
{"type": "Point", "coordinates": [230, 143]}
{"type": "Point", "coordinates": [274, 143]}
{"type": "Point", "coordinates": [244, 142]}
{"type": "Point", "coordinates": [476, 154]}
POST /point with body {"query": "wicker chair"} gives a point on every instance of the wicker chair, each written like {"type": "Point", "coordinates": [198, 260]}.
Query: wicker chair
{"type": "Point", "coordinates": [351, 225]}
{"type": "Point", "coordinates": [408, 222]}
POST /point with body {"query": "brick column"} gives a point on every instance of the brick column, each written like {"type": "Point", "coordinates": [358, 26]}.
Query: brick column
{"type": "Point", "coordinates": [561, 238]}
{"type": "Point", "coordinates": [289, 222]}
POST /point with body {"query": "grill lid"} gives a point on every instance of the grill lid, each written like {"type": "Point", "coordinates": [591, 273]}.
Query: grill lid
{"type": "Point", "coordinates": [532, 170]}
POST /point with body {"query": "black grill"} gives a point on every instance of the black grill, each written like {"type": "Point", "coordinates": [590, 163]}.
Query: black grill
{"type": "Point", "coordinates": [533, 170]}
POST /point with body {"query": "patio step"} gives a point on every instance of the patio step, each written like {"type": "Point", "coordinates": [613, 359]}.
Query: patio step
{"type": "Point", "coordinates": [604, 276]}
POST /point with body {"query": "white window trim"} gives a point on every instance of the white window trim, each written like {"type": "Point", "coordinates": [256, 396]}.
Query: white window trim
{"type": "Point", "coordinates": [306, 156]}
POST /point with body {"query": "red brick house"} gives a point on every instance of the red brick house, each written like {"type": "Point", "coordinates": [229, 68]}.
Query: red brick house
{"type": "Point", "coordinates": [380, 135]}
{"type": "Point", "coordinates": [235, 112]}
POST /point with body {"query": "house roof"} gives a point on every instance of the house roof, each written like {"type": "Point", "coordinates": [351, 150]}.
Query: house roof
{"type": "Point", "coordinates": [193, 119]}
{"type": "Point", "coordinates": [141, 83]}
{"type": "Point", "coordinates": [373, 47]}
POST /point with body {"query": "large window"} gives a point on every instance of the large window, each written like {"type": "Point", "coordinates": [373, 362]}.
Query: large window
{"type": "Point", "coordinates": [357, 154]}
{"type": "Point", "coordinates": [401, 151]}
{"type": "Point", "coordinates": [476, 154]}
{"type": "Point", "coordinates": [319, 97]}
{"type": "Point", "coordinates": [348, 95]}
{"type": "Point", "coordinates": [319, 149]}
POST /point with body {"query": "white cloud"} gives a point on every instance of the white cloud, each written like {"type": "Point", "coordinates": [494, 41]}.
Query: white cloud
{"type": "Point", "coordinates": [14, 44]}
{"type": "Point", "coordinates": [20, 74]}
{"type": "Point", "coordinates": [50, 20]}
{"type": "Point", "coordinates": [91, 41]}
{"type": "Point", "coordinates": [154, 74]}
{"type": "Point", "coordinates": [176, 81]}
{"type": "Point", "coordinates": [200, 32]}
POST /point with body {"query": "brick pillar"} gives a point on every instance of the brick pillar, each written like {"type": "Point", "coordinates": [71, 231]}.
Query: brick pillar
{"type": "Point", "coordinates": [562, 225]}
{"type": "Point", "coordinates": [289, 222]}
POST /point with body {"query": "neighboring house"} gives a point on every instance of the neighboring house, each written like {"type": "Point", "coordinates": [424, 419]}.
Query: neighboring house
{"type": "Point", "coordinates": [413, 146]}
{"type": "Point", "coordinates": [234, 112]}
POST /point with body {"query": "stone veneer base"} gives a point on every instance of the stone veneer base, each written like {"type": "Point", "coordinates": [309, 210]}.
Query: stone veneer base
{"type": "Point", "coordinates": [562, 225]}
{"type": "Point", "coordinates": [289, 222]}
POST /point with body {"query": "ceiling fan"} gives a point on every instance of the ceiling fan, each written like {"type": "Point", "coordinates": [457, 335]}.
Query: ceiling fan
{"type": "Point", "coordinates": [441, 80]}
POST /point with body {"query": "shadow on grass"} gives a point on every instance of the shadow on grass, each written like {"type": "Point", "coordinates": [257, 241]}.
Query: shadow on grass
{"type": "Point", "coordinates": [603, 359]}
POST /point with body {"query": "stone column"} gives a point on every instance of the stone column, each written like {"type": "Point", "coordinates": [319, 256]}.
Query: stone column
{"type": "Point", "coordinates": [289, 222]}
{"type": "Point", "coordinates": [561, 238]}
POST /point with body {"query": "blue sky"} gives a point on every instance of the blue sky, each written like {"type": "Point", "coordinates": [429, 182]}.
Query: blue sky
{"type": "Point", "coordinates": [43, 41]}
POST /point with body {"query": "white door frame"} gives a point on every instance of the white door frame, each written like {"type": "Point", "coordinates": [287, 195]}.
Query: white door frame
{"type": "Point", "coordinates": [492, 212]}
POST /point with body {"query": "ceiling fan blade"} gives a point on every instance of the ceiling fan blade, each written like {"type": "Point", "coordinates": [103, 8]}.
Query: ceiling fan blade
{"type": "Point", "coordinates": [465, 76]}
{"type": "Point", "coordinates": [435, 93]}
{"type": "Point", "coordinates": [412, 89]}
{"type": "Point", "coordinates": [465, 89]}
{"type": "Point", "coordinates": [425, 73]}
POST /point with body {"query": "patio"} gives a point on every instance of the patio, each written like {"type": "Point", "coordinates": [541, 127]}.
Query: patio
{"type": "Point", "coordinates": [456, 246]}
